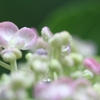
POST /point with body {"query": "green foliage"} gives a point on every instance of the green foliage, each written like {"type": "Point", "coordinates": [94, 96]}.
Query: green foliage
{"type": "Point", "coordinates": [80, 18]}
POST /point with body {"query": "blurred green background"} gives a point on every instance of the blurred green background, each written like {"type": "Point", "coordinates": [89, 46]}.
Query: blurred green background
{"type": "Point", "coordinates": [79, 17]}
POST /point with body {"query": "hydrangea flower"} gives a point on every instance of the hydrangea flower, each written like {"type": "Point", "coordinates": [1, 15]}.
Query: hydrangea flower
{"type": "Point", "coordinates": [84, 90]}
{"type": "Point", "coordinates": [12, 37]}
{"type": "Point", "coordinates": [92, 65]}
{"type": "Point", "coordinates": [61, 89]}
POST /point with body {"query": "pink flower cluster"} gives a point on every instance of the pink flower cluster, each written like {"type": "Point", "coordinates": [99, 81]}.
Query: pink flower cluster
{"type": "Point", "coordinates": [12, 37]}
{"type": "Point", "coordinates": [65, 89]}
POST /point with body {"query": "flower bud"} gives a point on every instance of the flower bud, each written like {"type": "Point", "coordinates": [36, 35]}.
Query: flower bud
{"type": "Point", "coordinates": [10, 55]}
{"type": "Point", "coordinates": [66, 37]}
{"type": "Point", "coordinates": [55, 41]}
{"type": "Point", "coordinates": [46, 33]}
{"type": "Point", "coordinates": [97, 88]}
{"type": "Point", "coordinates": [18, 80]}
{"type": "Point", "coordinates": [78, 58]}
{"type": "Point", "coordinates": [77, 74]}
{"type": "Point", "coordinates": [39, 67]}
{"type": "Point", "coordinates": [4, 79]}
{"type": "Point", "coordinates": [55, 66]}
{"type": "Point", "coordinates": [88, 74]}
{"type": "Point", "coordinates": [67, 61]}
{"type": "Point", "coordinates": [92, 65]}
{"type": "Point", "coordinates": [28, 56]}
{"type": "Point", "coordinates": [59, 39]}
{"type": "Point", "coordinates": [17, 53]}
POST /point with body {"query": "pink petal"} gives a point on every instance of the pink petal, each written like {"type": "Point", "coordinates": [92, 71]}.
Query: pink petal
{"type": "Point", "coordinates": [19, 43]}
{"type": "Point", "coordinates": [3, 43]}
{"type": "Point", "coordinates": [26, 35]}
{"type": "Point", "coordinates": [7, 30]}
{"type": "Point", "coordinates": [35, 31]}
{"type": "Point", "coordinates": [81, 82]}
{"type": "Point", "coordinates": [54, 91]}
{"type": "Point", "coordinates": [92, 65]}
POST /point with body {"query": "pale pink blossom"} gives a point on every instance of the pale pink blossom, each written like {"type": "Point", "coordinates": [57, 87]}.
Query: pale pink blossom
{"type": "Point", "coordinates": [84, 91]}
{"type": "Point", "coordinates": [12, 37]}
{"type": "Point", "coordinates": [58, 90]}
{"type": "Point", "coordinates": [93, 65]}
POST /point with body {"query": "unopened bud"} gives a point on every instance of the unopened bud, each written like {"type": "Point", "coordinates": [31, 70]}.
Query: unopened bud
{"type": "Point", "coordinates": [55, 66]}
{"type": "Point", "coordinates": [39, 67]}
{"type": "Point", "coordinates": [55, 41]}
{"type": "Point", "coordinates": [66, 37]}
{"type": "Point", "coordinates": [46, 33]}
{"type": "Point", "coordinates": [88, 74]}
{"type": "Point", "coordinates": [77, 74]}
{"type": "Point", "coordinates": [78, 58]}
{"type": "Point", "coordinates": [60, 39]}
{"type": "Point", "coordinates": [97, 88]}
{"type": "Point", "coordinates": [28, 56]}
{"type": "Point", "coordinates": [10, 55]}
{"type": "Point", "coordinates": [18, 80]}
{"type": "Point", "coordinates": [67, 61]}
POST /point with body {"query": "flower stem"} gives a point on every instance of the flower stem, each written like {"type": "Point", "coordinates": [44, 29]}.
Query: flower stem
{"type": "Point", "coordinates": [5, 65]}
{"type": "Point", "coordinates": [55, 76]}
{"type": "Point", "coordinates": [13, 66]}
{"type": "Point", "coordinates": [55, 54]}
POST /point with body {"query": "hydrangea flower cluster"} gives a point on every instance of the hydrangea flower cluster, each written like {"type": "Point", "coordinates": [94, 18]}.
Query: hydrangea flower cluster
{"type": "Point", "coordinates": [53, 70]}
